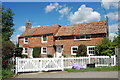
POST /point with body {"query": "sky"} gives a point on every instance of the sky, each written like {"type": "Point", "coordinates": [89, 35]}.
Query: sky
{"type": "Point", "coordinates": [62, 13]}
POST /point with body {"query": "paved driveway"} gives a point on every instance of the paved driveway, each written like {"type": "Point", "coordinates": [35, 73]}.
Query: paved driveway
{"type": "Point", "coordinates": [63, 74]}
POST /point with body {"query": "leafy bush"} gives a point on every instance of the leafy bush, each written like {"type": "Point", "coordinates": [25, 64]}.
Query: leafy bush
{"type": "Point", "coordinates": [36, 52]}
{"type": "Point", "coordinates": [49, 55]}
{"type": "Point", "coordinates": [82, 50]}
{"type": "Point", "coordinates": [7, 53]}
{"type": "Point", "coordinates": [18, 52]}
{"type": "Point", "coordinates": [105, 48]}
{"type": "Point", "coordinates": [24, 56]}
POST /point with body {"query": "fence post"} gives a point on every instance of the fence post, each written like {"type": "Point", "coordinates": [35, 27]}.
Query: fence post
{"type": "Point", "coordinates": [89, 59]}
{"type": "Point", "coordinates": [16, 66]}
{"type": "Point", "coordinates": [62, 63]}
{"type": "Point", "coordinates": [114, 60]}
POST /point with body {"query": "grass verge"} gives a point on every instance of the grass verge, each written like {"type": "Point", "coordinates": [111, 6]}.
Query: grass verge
{"type": "Point", "coordinates": [7, 73]}
{"type": "Point", "coordinates": [114, 68]}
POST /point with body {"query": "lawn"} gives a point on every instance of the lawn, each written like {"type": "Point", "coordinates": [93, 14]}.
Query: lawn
{"type": "Point", "coordinates": [7, 73]}
{"type": "Point", "coordinates": [114, 68]}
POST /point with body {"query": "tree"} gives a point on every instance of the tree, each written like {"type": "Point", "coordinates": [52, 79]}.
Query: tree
{"type": "Point", "coordinates": [106, 48]}
{"type": "Point", "coordinates": [7, 24]}
{"type": "Point", "coordinates": [82, 50]}
{"type": "Point", "coordinates": [116, 40]}
{"type": "Point", "coordinates": [7, 31]}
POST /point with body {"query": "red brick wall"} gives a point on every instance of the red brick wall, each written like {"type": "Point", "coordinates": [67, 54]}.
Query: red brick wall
{"type": "Point", "coordinates": [36, 42]}
{"type": "Point", "coordinates": [50, 50]}
{"type": "Point", "coordinates": [67, 42]}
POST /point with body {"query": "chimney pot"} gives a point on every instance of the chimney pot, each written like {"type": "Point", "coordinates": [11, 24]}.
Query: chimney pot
{"type": "Point", "coordinates": [28, 25]}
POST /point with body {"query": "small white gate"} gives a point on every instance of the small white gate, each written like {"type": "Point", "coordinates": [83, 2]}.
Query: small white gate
{"type": "Point", "coordinates": [38, 64]}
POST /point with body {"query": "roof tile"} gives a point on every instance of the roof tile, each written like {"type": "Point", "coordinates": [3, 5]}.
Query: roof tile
{"type": "Point", "coordinates": [85, 28]}
{"type": "Point", "coordinates": [47, 29]}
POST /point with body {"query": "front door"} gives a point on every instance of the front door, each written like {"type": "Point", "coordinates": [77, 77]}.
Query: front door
{"type": "Point", "coordinates": [59, 51]}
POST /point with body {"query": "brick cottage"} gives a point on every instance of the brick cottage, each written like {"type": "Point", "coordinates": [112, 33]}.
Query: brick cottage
{"type": "Point", "coordinates": [62, 40]}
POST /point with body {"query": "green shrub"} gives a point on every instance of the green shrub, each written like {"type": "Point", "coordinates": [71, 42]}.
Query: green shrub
{"type": "Point", "coordinates": [49, 55]}
{"type": "Point", "coordinates": [7, 53]}
{"type": "Point", "coordinates": [36, 52]}
{"type": "Point", "coordinates": [18, 52]}
{"type": "Point", "coordinates": [105, 48]}
{"type": "Point", "coordinates": [82, 50]}
{"type": "Point", "coordinates": [24, 56]}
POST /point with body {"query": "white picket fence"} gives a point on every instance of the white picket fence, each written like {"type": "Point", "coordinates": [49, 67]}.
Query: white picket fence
{"type": "Point", "coordinates": [46, 64]}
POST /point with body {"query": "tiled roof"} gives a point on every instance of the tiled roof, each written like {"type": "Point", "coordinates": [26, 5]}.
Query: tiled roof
{"type": "Point", "coordinates": [85, 28]}
{"type": "Point", "coordinates": [47, 29]}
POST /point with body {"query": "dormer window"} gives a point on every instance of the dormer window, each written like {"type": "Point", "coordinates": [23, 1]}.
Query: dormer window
{"type": "Point", "coordinates": [25, 40]}
{"type": "Point", "coordinates": [82, 37]}
{"type": "Point", "coordinates": [44, 38]}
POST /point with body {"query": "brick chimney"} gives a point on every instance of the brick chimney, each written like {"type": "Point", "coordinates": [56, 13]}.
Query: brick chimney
{"type": "Point", "coordinates": [28, 25]}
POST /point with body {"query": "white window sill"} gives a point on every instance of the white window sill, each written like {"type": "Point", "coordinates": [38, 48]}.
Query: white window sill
{"type": "Point", "coordinates": [43, 53]}
{"type": "Point", "coordinates": [44, 41]}
{"type": "Point", "coordinates": [73, 53]}
{"type": "Point", "coordinates": [81, 39]}
{"type": "Point", "coordinates": [91, 54]}
{"type": "Point", "coordinates": [25, 53]}
{"type": "Point", "coordinates": [25, 43]}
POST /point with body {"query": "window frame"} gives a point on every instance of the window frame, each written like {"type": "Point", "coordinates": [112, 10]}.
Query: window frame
{"type": "Point", "coordinates": [73, 50]}
{"type": "Point", "coordinates": [83, 38]}
{"type": "Point", "coordinates": [89, 50]}
{"type": "Point", "coordinates": [25, 50]}
{"type": "Point", "coordinates": [43, 39]}
{"type": "Point", "coordinates": [25, 40]}
{"type": "Point", "coordinates": [42, 50]}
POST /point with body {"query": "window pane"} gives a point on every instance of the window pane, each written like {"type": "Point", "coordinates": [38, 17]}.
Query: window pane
{"type": "Point", "coordinates": [77, 37]}
{"type": "Point", "coordinates": [44, 37]}
{"type": "Point", "coordinates": [91, 50]}
{"type": "Point", "coordinates": [87, 36]}
{"type": "Point", "coordinates": [74, 48]}
{"type": "Point", "coordinates": [44, 50]}
{"type": "Point", "coordinates": [25, 50]}
{"type": "Point", "coordinates": [74, 51]}
{"type": "Point", "coordinates": [82, 36]}
{"type": "Point", "coordinates": [26, 39]}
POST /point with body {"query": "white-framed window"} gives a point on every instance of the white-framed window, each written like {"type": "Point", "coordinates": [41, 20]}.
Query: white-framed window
{"type": "Point", "coordinates": [74, 50]}
{"type": "Point", "coordinates": [26, 50]}
{"type": "Point", "coordinates": [82, 37]}
{"type": "Point", "coordinates": [25, 40]}
{"type": "Point", "coordinates": [44, 38]}
{"type": "Point", "coordinates": [43, 50]}
{"type": "Point", "coordinates": [91, 50]}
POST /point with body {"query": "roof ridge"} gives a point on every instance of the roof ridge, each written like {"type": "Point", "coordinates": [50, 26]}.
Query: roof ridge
{"type": "Point", "coordinates": [85, 23]}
